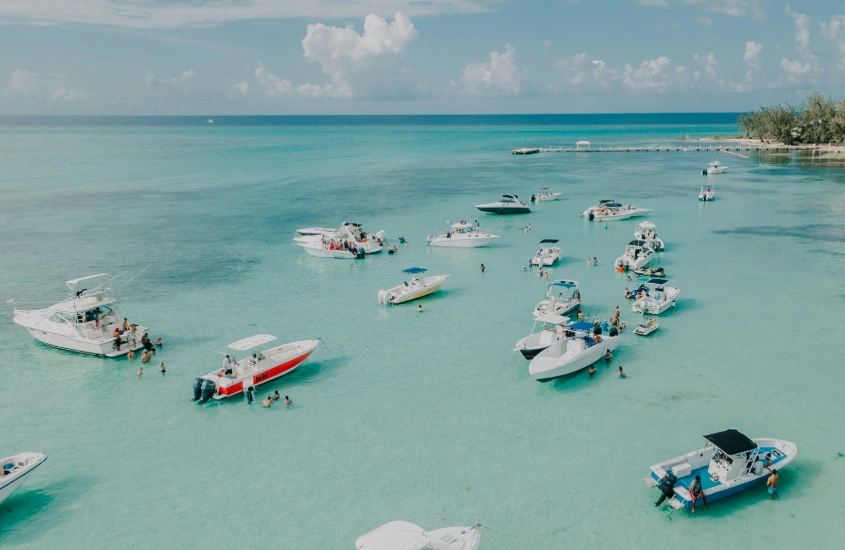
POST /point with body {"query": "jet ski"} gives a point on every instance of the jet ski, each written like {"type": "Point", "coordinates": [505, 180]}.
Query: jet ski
{"type": "Point", "coordinates": [649, 272]}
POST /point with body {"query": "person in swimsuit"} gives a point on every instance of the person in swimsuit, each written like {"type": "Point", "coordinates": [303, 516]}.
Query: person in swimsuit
{"type": "Point", "coordinates": [696, 492]}
{"type": "Point", "coordinates": [772, 484]}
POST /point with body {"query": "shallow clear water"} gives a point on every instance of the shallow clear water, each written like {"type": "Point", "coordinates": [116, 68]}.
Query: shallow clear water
{"type": "Point", "coordinates": [429, 417]}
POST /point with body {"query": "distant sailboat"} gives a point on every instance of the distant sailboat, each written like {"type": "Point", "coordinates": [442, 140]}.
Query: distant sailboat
{"type": "Point", "coordinates": [210, 121]}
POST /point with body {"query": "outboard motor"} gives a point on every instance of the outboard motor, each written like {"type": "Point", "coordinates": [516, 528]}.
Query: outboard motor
{"type": "Point", "coordinates": [704, 172]}
{"type": "Point", "coordinates": [197, 391]}
{"type": "Point", "coordinates": [208, 389]}
{"type": "Point", "coordinates": [592, 216]}
{"type": "Point", "coordinates": [613, 331]}
{"type": "Point", "coordinates": [359, 253]}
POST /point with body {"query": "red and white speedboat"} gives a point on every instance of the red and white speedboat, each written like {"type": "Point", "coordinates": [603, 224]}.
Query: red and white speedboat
{"type": "Point", "coordinates": [253, 370]}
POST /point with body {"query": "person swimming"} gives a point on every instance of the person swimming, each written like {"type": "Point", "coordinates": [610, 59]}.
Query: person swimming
{"type": "Point", "coordinates": [621, 372]}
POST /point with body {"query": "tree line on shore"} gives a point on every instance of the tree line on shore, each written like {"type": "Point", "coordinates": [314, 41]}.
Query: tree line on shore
{"type": "Point", "coordinates": [818, 119]}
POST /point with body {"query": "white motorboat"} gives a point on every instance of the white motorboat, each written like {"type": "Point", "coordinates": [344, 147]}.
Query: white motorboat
{"type": "Point", "coordinates": [509, 204]}
{"type": "Point", "coordinates": [552, 328]}
{"type": "Point", "coordinates": [14, 469]}
{"type": "Point", "coordinates": [582, 346]}
{"type": "Point", "coordinates": [417, 287]}
{"type": "Point", "coordinates": [547, 254]}
{"type": "Point", "coordinates": [707, 193]}
{"type": "Point", "coordinates": [730, 462]}
{"type": "Point", "coordinates": [403, 535]}
{"type": "Point", "coordinates": [334, 248]}
{"type": "Point", "coordinates": [349, 234]}
{"type": "Point", "coordinates": [637, 255]}
{"type": "Point", "coordinates": [87, 321]}
{"type": "Point", "coordinates": [647, 328]}
{"type": "Point", "coordinates": [654, 297]}
{"type": "Point", "coordinates": [463, 235]}
{"type": "Point", "coordinates": [368, 242]}
{"type": "Point", "coordinates": [562, 296]}
{"type": "Point", "coordinates": [253, 370]}
{"type": "Point", "coordinates": [545, 194]}
{"type": "Point", "coordinates": [715, 167]}
{"type": "Point", "coordinates": [647, 231]}
{"type": "Point", "coordinates": [312, 231]}
{"type": "Point", "coordinates": [612, 210]}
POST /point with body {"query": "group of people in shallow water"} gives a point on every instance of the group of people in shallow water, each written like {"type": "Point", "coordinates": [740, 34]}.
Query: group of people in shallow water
{"type": "Point", "coordinates": [272, 398]}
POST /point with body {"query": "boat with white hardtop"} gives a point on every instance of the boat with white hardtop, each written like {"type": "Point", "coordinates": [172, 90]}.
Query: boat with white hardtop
{"type": "Point", "coordinates": [654, 297]}
{"type": "Point", "coordinates": [608, 210]}
{"type": "Point", "coordinates": [647, 231]}
{"type": "Point", "coordinates": [562, 296]}
{"type": "Point", "coordinates": [87, 321]}
{"type": "Point", "coordinates": [707, 193]}
{"type": "Point", "coordinates": [548, 253]}
{"type": "Point", "coordinates": [15, 469]}
{"type": "Point", "coordinates": [463, 235]}
{"type": "Point", "coordinates": [251, 370]}
{"type": "Point", "coordinates": [715, 167]}
{"type": "Point", "coordinates": [403, 535]}
{"type": "Point", "coordinates": [508, 204]}
{"type": "Point", "coordinates": [729, 463]}
{"type": "Point", "coordinates": [583, 345]}
{"type": "Point", "coordinates": [417, 287]}
{"type": "Point", "coordinates": [551, 331]}
{"type": "Point", "coordinates": [545, 194]}
{"type": "Point", "coordinates": [637, 255]}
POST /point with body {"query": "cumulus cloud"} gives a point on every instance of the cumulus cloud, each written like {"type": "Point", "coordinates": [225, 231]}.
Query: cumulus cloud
{"type": "Point", "coordinates": [835, 28]}
{"type": "Point", "coordinates": [706, 21]}
{"type": "Point", "coordinates": [752, 55]}
{"type": "Point", "coordinates": [363, 65]}
{"type": "Point", "coordinates": [583, 73]}
{"type": "Point", "coordinates": [171, 14]}
{"type": "Point", "coordinates": [806, 68]}
{"type": "Point", "coordinates": [499, 76]}
{"type": "Point", "coordinates": [655, 76]}
{"type": "Point", "coordinates": [654, 3]}
{"type": "Point", "coordinates": [22, 82]}
{"type": "Point", "coordinates": [69, 94]}
{"type": "Point", "coordinates": [547, 43]}
{"type": "Point", "coordinates": [272, 85]}
{"type": "Point", "coordinates": [242, 87]}
{"type": "Point", "coordinates": [187, 75]}
{"type": "Point", "coordinates": [733, 8]}
{"type": "Point", "coordinates": [151, 81]}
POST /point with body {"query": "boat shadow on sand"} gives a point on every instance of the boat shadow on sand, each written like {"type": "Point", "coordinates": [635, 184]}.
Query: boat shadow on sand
{"type": "Point", "coordinates": [21, 514]}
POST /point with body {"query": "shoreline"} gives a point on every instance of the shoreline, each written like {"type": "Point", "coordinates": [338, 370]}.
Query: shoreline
{"type": "Point", "coordinates": [830, 152]}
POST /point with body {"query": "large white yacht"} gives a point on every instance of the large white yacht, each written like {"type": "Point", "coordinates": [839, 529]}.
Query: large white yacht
{"type": "Point", "coordinates": [608, 210]}
{"type": "Point", "coordinates": [463, 235]}
{"type": "Point", "coordinates": [87, 321]}
{"type": "Point", "coordinates": [350, 234]}
{"type": "Point", "coordinates": [14, 469]}
{"type": "Point", "coordinates": [403, 535]}
{"type": "Point", "coordinates": [509, 204]}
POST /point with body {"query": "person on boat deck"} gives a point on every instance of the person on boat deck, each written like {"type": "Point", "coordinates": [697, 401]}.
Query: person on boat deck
{"type": "Point", "coordinates": [276, 395]}
{"type": "Point", "coordinates": [768, 463]}
{"type": "Point", "coordinates": [254, 359]}
{"type": "Point", "coordinates": [125, 324]}
{"type": "Point", "coordinates": [772, 484]}
{"type": "Point", "coordinates": [228, 365]}
{"type": "Point", "coordinates": [757, 467]}
{"type": "Point", "coordinates": [117, 338]}
{"type": "Point", "coordinates": [696, 492]}
{"type": "Point", "coordinates": [267, 401]}
{"type": "Point", "coordinates": [597, 337]}
{"type": "Point", "coordinates": [628, 294]}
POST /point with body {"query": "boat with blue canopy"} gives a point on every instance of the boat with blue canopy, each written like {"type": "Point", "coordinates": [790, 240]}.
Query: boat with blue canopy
{"type": "Point", "coordinates": [730, 462]}
{"type": "Point", "coordinates": [416, 287]}
{"type": "Point", "coordinates": [654, 296]}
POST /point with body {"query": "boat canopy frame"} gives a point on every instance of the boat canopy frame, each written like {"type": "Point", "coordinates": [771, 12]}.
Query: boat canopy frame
{"type": "Point", "coordinates": [251, 342]}
{"type": "Point", "coordinates": [731, 442]}
{"type": "Point", "coordinates": [414, 270]}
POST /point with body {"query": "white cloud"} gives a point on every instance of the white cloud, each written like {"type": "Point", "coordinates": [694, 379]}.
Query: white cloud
{"type": "Point", "coordinates": [752, 54]}
{"type": "Point", "coordinates": [583, 73]}
{"type": "Point", "coordinates": [706, 21]}
{"type": "Point", "coordinates": [187, 75]}
{"type": "Point", "coordinates": [500, 76]}
{"type": "Point", "coordinates": [364, 65]}
{"type": "Point", "coordinates": [171, 14]}
{"type": "Point", "coordinates": [653, 3]}
{"type": "Point", "coordinates": [242, 87]}
{"type": "Point", "coordinates": [835, 28]}
{"type": "Point", "coordinates": [69, 94]}
{"type": "Point", "coordinates": [795, 68]}
{"type": "Point", "coordinates": [547, 43]}
{"type": "Point", "coordinates": [22, 82]}
{"type": "Point", "coordinates": [733, 8]}
{"type": "Point", "coordinates": [151, 81]}
{"type": "Point", "coordinates": [708, 63]}
{"type": "Point", "coordinates": [798, 71]}
{"type": "Point", "coordinates": [655, 76]}
{"type": "Point", "coordinates": [273, 85]}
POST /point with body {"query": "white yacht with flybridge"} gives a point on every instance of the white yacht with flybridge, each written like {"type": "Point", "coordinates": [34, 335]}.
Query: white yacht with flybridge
{"type": "Point", "coordinates": [636, 256]}
{"type": "Point", "coordinates": [647, 231]}
{"type": "Point", "coordinates": [715, 167]}
{"type": "Point", "coordinates": [87, 321]}
{"type": "Point", "coordinates": [508, 204]}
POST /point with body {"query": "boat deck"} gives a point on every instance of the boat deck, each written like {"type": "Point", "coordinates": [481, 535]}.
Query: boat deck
{"type": "Point", "coordinates": [707, 483]}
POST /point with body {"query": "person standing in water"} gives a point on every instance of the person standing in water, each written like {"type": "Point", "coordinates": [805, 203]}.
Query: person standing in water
{"type": "Point", "coordinates": [621, 372]}
{"type": "Point", "coordinates": [420, 308]}
{"type": "Point", "coordinates": [161, 367]}
{"type": "Point", "coordinates": [483, 269]}
{"type": "Point", "coordinates": [772, 484]}
{"type": "Point", "coordinates": [288, 402]}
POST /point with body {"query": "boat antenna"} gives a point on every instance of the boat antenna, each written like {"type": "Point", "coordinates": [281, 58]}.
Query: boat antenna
{"type": "Point", "coordinates": [112, 279]}
{"type": "Point", "coordinates": [130, 280]}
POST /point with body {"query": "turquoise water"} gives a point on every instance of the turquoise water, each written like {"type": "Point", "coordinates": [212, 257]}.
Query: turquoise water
{"type": "Point", "coordinates": [429, 417]}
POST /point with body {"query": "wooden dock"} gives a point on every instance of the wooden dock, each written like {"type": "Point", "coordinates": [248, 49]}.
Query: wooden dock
{"type": "Point", "coordinates": [631, 149]}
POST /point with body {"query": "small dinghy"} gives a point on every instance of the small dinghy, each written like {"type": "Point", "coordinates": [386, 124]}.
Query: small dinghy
{"type": "Point", "coordinates": [730, 462]}
{"type": "Point", "coordinates": [417, 287]}
{"type": "Point", "coordinates": [551, 332]}
{"type": "Point", "coordinates": [649, 272]}
{"type": "Point", "coordinates": [259, 368]}
{"type": "Point", "coordinates": [583, 345]}
{"type": "Point", "coordinates": [545, 194]}
{"type": "Point", "coordinates": [648, 328]}
{"type": "Point", "coordinates": [14, 469]}
{"type": "Point", "coordinates": [403, 535]}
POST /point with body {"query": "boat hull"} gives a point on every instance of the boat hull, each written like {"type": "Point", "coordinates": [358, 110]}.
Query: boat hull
{"type": "Point", "coordinates": [429, 288]}
{"type": "Point", "coordinates": [504, 209]}
{"type": "Point", "coordinates": [707, 197]}
{"type": "Point", "coordinates": [560, 308]}
{"type": "Point", "coordinates": [464, 242]}
{"type": "Point", "coordinates": [621, 216]}
{"type": "Point", "coordinates": [263, 376]}
{"type": "Point", "coordinates": [546, 367]}
{"type": "Point", "coordinates": [320, 252]}
{"type": "Point", "coordinates": [630, 263]}
{"type": "Point", "coordinates": [9, 487]}
{"type": "Point", "coordinates": [88, 347]}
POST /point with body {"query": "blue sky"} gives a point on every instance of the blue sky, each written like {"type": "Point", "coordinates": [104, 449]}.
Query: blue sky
{"type": "Point", "coordinates": [199, 57]}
